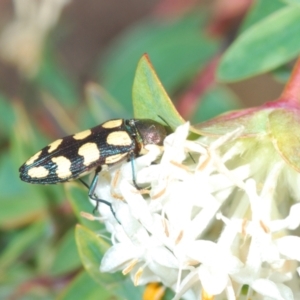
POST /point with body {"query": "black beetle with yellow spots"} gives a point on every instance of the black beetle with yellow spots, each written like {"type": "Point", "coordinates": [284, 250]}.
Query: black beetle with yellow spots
{"type": "Point", "coordinates": [76, 155]}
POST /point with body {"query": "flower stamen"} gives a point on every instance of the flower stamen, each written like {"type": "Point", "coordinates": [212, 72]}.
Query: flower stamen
{"type": "Point", "coordinates": [265, 228]}
{"type": "Point", "coordinates": [159, 194]}
{"type": "Point", "coordinates": [179, 165]}
{"type": "Point", "coordinates": [179, 237]}
{"type": "Point", "coordinates": [130, 266]}
{"type": "Point", "coordinates": [117, 196]}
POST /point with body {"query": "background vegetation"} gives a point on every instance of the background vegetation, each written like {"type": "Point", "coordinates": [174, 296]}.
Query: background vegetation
{"type": "Point", "coordinates": [70, 67]}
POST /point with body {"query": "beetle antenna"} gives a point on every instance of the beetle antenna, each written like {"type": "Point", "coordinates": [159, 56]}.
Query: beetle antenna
{"type": "Point", "coordinates": [169, 129]}
{"type": "Point", "coordinates": [164, 120]}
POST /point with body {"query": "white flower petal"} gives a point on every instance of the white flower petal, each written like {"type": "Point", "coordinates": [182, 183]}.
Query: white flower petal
{"type": "Point", "coordinates": [163, 257]}
{"type": "Point", "coordinates": [293, 218]}
{"type": "Point", "coordinates": [268, 288]}
{"type": "Point", "coordinates": [115, 258]}
{"type": "Point", "coordinates": [213, 280]}
{"type": "Point", "coordinates": [168, 275]}
{"type": "Point", "coordinates": [289, 246]}
{"type": "Point", "coordinates": [202, 251]}
{"type": "Point", "coordinates": [137, 205]}
{"type": "Point", "coordinates": [190, 280]}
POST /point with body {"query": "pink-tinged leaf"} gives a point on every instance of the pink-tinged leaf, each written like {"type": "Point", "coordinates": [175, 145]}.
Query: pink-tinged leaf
{"type": "Point", "coordinates": [285, 130]}
{"type": "Point", "coordinates": [254, 121]}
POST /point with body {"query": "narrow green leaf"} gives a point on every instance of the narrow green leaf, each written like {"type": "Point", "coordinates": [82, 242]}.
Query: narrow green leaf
{"type": "Point", "coordinates": [263, 47]}
{"type": "Point", "coordinates": [259, 10]}
{"type": "Point", "coordinates": [102, 106]}
{"type": "Point", "coordinates": [84, 287]}
{"type": "Point", "coordinates": [7, 115]}
{"type": "Point", "coordinates": [150, 100]}
{"type": "Point", "coordinates": [19, 201]}
{"type": "Point", "coordinates": [21, 242]}
{"type": "Point", "coordinates": [53, 79]}
{"type": "Point", "coordinates": [66, 258]}
{"type": "Point", "coordinates": [282, 74]}
{"type": "Point", "coordinates": [91, 249]}
{"type": "Point", "coordinates": [292, 2]}
{"type": "Point", "coordinates": [15, 275]}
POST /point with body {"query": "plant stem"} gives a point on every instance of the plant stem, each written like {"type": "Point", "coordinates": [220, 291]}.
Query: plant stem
{"type": "Point", "coordinates": [291, 92]}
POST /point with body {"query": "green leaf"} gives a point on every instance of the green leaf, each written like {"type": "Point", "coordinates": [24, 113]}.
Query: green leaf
{"type": "Point", "coordinates": [292, 2]}
{"type": "Point", "coordinates": [13, 276]}
{"type": "Point", "coordinates": [66, 258]}
{"type": "Point", "coordinates": [178, 48]}
{"type": "Point", "coordinates": [7, 116]}
{"type": "Point", "coordinates": [102, 106]}
{"type": "Point", "coordinates": [84, 287]}
{"type": "Point", "coordinates": [284, 126]}
{"type": "Point", "coordinates": [150, 100]}
{"type": "Point", "coordinates": [282, 74]}
{"type": "Point", "coordinates": [91, 249]}
{"type": "Point", "coordinates": [259, 10]}
{"type": "Point", "coordinates": [53, 79]}
{"type": "Point", "coordinates": [19, 201]}
{"type": "Point", "coordinates": [263, 47]}
{"type": "Point", "coordinates": [20, 243]}
{"type": "Point", "coordinates": [56, 108]}
{"type": "Point", "coordinates": [169, 294]}
{"type": "Point", "coordinates": [215, 101]}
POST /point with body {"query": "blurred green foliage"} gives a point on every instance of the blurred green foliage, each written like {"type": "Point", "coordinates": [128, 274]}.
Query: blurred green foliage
{"type": "Point", "coordinates": [39, 258]}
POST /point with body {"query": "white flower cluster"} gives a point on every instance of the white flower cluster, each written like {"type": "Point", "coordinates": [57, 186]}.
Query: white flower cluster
{"type": "Point", "coordinates": [206, 224]}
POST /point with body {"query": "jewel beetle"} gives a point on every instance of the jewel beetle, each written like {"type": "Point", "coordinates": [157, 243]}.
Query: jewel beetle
{"type": "Point", "coordinates": [76, 155]}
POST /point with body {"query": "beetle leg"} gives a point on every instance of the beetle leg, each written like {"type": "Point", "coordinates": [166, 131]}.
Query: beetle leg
{"type": "Point", "coordinates": [92, 195]}
{"type": "Point", "coordinates": [84, 183]}
{"type": "Point", "coordinates": [132, 157]}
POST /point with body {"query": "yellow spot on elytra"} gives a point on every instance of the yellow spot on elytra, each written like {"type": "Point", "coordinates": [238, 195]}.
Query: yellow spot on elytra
{"type": "Point", "coordinates": [90, 153]}
{"type": "Point", "coordinates": [63, 169]}
{"type": "Point", "coordinates": [33, 158]}
{"type": "Point", "coordinates": [82, 135]}
{"type": "Point", "coordinates": [119, 138]}
{"type": "Point", "coordinates": [115, 158]}
{"type": "Point", "coordinates": [112, 124]}
{"type": "Point", "coordinates": [38, 172]}
{"type": "Point", "coordinates": [53, 146]}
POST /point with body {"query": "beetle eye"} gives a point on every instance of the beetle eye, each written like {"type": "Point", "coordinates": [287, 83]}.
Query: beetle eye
{"type": "Point", "coordinates": [131, 122]}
